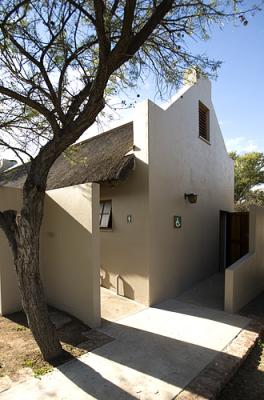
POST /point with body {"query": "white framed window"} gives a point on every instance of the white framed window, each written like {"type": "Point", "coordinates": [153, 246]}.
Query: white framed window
{"type": "Point", "coordinates": [105, 214]}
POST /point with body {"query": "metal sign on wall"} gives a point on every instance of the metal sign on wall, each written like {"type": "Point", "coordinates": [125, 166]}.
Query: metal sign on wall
{"type": "Point", "coordinates": [177, 221]}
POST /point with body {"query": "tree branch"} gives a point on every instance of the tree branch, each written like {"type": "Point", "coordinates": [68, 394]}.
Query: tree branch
{"type": "Point", "coordinates": [16, 8]}
{"type": "Point", "coordinates": [103, 39]}
{"type": "Point", "coordinates": [33, 104]}
{"type": "Point", "coordinates": [118, 56]}
{"type": "Point", "coordinates": [9, 226]}
{"type": "Point", "coordinates": [34, 61]}
{"type": "Point", "coordinates": [85, 12]}
{"type": "Point", "coordinates": [16, 150]}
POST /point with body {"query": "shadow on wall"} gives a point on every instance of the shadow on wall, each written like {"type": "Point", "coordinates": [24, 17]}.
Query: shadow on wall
{"type": "Point", "coordinates": [122, 288]}
{"type": "Point", "coordinates": [124, 249]}
{"type": "Point", "coordinates": [105, 279]}
{"type": "Point", "coordinates": [70, 256]}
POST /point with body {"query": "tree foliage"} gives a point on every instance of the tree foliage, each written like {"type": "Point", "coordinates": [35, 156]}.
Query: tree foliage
{"type": "Point", "coordinates": [57, 55]}
{"type": "Point", "coordinates": [249, 174]}
{"type": "Point", "coordinates": [60, 61]}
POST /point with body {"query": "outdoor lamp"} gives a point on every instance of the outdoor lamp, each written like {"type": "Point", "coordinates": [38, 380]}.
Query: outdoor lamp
{"type": "Point", "coordinates": [191, 197]}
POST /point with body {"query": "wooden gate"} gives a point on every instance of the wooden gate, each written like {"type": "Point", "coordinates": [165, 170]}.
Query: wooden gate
{"type": "Point", "coordinates": [234, 237]}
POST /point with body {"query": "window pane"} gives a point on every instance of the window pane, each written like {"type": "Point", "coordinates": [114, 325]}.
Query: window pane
{"type": "Point", "coordinates": [105, 214]}
{"type": "Point", "coordinates": [105, 221]}
{"type": "Point", "coordinates": [107, 207]}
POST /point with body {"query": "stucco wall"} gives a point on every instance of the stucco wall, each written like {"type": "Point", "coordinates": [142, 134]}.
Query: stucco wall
{"type": "Point", "coordinates": [70, 252]}
{"type": "Point", "coordinates": [181, 162]}
{"type": "Point", "coordinates": [171, 160]}
{"type": "Point", "coordinates": [10, 198]}
{"type": "Point", "coordinates": [124, 249]}
{"type": "Point", "coordinates": [244, 280]}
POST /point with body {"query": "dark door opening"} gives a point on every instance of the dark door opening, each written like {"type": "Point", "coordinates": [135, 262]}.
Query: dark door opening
{"type": "Point", "coordinates": [234, 237]}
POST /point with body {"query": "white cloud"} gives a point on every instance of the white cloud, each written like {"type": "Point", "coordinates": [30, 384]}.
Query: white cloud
{"type": "Point", "coordinates": [224, 122]}
{"type": "Point", "coordinates": [251, 147]}
{"type": "Point", "coordinates": [241, 145]}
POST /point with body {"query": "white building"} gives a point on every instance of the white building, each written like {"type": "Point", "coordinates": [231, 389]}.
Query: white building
{"type": "Point", "coordinates": [158, 184]}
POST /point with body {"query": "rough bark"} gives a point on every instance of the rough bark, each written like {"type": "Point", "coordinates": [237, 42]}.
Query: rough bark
{"type": "Point", "coordinates": [23, 233]}
{"type": "Point", "coordinates": [32, 296]}
{"type": "Point", "coordinates": [28, 274]}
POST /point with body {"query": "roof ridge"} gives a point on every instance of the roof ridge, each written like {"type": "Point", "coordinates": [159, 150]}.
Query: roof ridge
{"type": "Point", "coordinates": [105, 156]}
{"type": "Point", "coordinates": [103, 133]}
{"type": "Point", "coordinates": [19, 166]}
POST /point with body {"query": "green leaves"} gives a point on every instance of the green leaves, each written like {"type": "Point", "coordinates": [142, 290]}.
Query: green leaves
{"type": "Point", "coordinates": [59, 56]}
{"type": "Point", "coordinates": [249, 173]}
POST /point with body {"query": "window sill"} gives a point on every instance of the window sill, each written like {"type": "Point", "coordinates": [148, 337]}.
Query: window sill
{"type": "Point", "coordinates": [106, 229]}
{"type": "Point", "coordinates": [204, 140]}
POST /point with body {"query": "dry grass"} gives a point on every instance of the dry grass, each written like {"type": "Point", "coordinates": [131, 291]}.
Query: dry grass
{"type": "Point", "coordinates": [19, 351]}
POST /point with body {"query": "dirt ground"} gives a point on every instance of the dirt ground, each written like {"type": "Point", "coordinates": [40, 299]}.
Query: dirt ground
{"type": "Point", "coordinates": [19, 353]}
{"type": "Point", "coordinates": [248, 383]}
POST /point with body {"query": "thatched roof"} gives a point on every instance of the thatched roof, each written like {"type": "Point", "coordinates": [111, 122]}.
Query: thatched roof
{"type": "Point", "coordinates": [103, 158]}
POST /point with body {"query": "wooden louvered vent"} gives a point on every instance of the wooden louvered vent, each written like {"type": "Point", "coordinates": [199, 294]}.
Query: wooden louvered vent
{"type": "Point", "coordinates": [203, 122]}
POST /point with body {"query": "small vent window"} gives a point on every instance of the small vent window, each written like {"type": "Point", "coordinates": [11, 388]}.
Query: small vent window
{"type": "Point", "coordinates": [106, 214]}
{"type": "Point", "coordinates": [204, 128]}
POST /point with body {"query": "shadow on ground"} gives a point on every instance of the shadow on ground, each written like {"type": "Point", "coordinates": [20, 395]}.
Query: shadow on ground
{"type": "Point", "coordinates": [248, 381]}
{"type": "Point", "coordinates": [158, 359]}
{"type": "Point", "coordinates": [155, 353]}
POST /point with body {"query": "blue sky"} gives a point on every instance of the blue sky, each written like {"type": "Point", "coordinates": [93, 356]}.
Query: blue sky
{"type": "Point", "coordinates": [238, 92]}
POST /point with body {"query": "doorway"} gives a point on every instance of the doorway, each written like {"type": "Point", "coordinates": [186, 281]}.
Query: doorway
{"type": "Point", "coordinates": [234, 237]}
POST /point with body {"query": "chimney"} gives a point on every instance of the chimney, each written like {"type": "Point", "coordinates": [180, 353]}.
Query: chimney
{"type": "Point", "coordinates": [191, 76]}
{"type": "Point", "coordinates": [6, 164]}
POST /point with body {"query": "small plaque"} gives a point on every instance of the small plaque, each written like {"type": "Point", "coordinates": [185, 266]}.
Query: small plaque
{"type": "Point", "coordinates": [177, 221]}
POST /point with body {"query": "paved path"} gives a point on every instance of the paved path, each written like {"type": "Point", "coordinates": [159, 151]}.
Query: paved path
{"type": "Point", "coordinates": [156, 352]}
{"type": "Point", "coordinates": [114, 307]}
{"type": "Point", "coordinates": [207, 293]}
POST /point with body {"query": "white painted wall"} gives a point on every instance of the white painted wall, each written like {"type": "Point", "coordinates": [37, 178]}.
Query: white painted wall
{"type": "Point", "coordinates": [244, 279]}
{"type": "Point", "coordinates": [173, 160]}
{"type": "Point", "coordinates": [10, 199]}
{"type": "Point", "coordinates": [124, 249]}
{"type": "Point", "coordinates": [181, 162]}
{"type": "Point", "coordinates": [70, 251]}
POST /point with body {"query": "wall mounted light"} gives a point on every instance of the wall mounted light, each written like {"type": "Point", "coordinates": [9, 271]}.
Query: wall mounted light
{"type": "Point", "coordinates": [191, 197]}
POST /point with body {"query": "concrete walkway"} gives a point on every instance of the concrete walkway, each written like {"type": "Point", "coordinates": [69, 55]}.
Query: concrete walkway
{"type": "Point", "coordinates": [114, 307]}
{"type": "Point", "coordinates": [207, 293]}
{"type": "Point", "coordinates": [155, 354]}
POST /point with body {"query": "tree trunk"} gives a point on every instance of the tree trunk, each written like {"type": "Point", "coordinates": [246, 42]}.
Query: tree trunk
{"type": "Point", "coordinates": [33, 300]}
{"type": "Point", "coordinates": [28, 273]}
